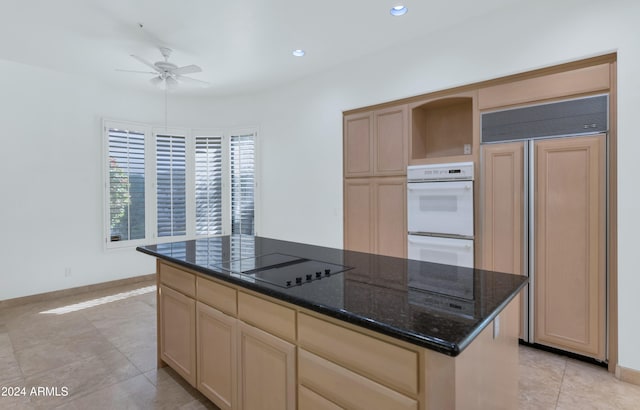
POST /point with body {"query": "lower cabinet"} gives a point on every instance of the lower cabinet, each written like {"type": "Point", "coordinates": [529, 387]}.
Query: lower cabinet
{"type": "Point", "coordinates": [375, 215]}
{"type": "Point", "coordinates": [216, 348]}
{"type": "Point", "coordinates": [336, 384]}
{"type": "Point", "coordinates": [267, 370]}
{"type": "Point", "coordinates": [177, 332]}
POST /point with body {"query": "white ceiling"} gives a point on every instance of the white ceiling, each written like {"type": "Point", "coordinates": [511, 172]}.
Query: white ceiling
{"type": "Point", "coordinates": [242, 45]}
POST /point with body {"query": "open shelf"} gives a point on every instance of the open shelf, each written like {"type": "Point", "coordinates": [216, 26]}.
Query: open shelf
{"type": "Point", "coordinates": [442, 128]}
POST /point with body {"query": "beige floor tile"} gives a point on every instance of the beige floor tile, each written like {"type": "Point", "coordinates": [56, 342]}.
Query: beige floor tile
{"type": "Point", "coordinates": [9, 368]}
{"type": "Point", "coordinates": [540, 379]}
{"type": "Point", "coordinates": [83, 376]}
{"type": "Point", "coordinates": [38, 328]}
{"type": "Point", "coordinates": [587, 386]}
{"type": "Point", "coordinates": [58, 351]}
{"type": "Point", "coordinates": [134, 393]}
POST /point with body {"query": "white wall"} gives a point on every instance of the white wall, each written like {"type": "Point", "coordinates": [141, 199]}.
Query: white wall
{"type": "Point", "coordinates": [51, 124]}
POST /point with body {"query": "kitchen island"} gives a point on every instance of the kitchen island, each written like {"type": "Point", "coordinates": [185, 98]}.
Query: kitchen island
{"type": "Point", "coordinates": [262, 323]}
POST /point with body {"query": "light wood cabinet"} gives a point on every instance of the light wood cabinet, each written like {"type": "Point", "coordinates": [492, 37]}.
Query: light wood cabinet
{"type": "Point", "coordinates": [574, 82]}
{"type": "Point", "coordinates": [177, 332]}
{"type": "Point", "coordinates": [502, 214]}
{"type": "Point", "coordinates": [376, 143]}
{"type": "Point", "coordinates": [216, 353]}
{"type": "Point", "coordinates": [570, 261]}
{"type": "Point", "coordinates": [391, 138]}
{"type": "Point", "coordinates": [375, 215]}
{"type": "Point", "coordinates": [267, 370]}
{"type": "Point", "coordinates": [358, 215]}
{"type": "Point", "coordinates": [358, 144]}
{"type": "Point", "coordinates": [347, 388]}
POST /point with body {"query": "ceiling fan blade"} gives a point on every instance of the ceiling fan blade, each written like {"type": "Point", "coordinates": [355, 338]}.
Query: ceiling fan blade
{"type": "Point", "coordinates": [145, 62]}
{"type": "Point", "coordinates": [155, 80]}
{"type": "Point", "coordinates": [136, 71]}
{"type": "Point", "coordinates": [188, 69]}
{"type": "Point", "coordinates": [190, 80]}
{"type": "Point", "coordinates": [171, 82]}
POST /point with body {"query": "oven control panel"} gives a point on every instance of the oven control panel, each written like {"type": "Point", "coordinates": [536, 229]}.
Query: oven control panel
{"type": "Point", "coordinates": [441, 172]}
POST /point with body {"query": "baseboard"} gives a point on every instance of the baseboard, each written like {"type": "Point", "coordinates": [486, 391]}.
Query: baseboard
{"type": "Point", "coordinates": [43, 297]}
{"type": "Point", "coordinates": [628, 375]}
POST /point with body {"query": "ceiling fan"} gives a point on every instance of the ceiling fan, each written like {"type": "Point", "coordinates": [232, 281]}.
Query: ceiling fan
{"type": "Point", "coordinates": [165, 72]}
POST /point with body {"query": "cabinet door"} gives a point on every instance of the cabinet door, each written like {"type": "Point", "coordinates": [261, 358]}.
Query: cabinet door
{"type": "Point", "coordinates": [267, 371]}
{"type": "Point", "coordinates": [216, 344]}
{"type": "Point", "coordinates": [502, 211]}
{"type": "Point", "coordinates": [390, 224]}
{"type": "Point", "coordinates": [178, 332]}
{"type": "Point", "coordinates": [570, 244]}
{"type": "Point", "coordinates": [357, 144]}
{"type": "Point", "coordinates": [391, 137]}
{"type": "Point", "coordinates": [358, 215]}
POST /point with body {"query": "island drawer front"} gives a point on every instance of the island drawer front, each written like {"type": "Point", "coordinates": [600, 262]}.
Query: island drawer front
{"type": "Point", "coordinates": [217, 295]}
{"type": "Point", "coordinates": [310, 400]}
{"type": "Point", "coordinates": [266, 315]}
{"type": "Point", "coordinates": [183, 282]}
{"type": "Point", "coordinates": [382, 361]}
{"type": "Point", "coordinates": [346, 388]}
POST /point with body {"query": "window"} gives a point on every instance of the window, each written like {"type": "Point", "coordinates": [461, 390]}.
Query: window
{"type": "Point", "coordinates": [208, 185]}
{"type": "Point", "coordinates": [172, 185]}
{"type": "Point", "coordinates": [242, 184]}
{"type": "Point", "coordinates": [126, 184]}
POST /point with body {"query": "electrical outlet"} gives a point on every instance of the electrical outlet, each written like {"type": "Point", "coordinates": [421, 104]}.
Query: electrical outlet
{"type": "Point", "coordinates": [67, 272]}
{"type": "Point", "coordinates": [467, 149]}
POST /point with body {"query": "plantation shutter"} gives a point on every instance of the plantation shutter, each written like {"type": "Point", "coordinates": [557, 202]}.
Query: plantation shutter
{"type": "Point", "coordinates": [242, 161]}
{"type": "Point", "coordinates": [171, 185]}
{"type": "Point", "coordinates": [126, 185]}
{"type": "Point", "coordinates": [208, 185]}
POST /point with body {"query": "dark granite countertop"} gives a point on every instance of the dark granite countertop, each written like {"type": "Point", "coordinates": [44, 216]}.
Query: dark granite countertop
{"type": "Point", "coordinates": [440, 307]}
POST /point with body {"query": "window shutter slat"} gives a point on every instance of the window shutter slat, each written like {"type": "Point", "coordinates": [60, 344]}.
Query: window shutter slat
{"type": "Point", "coordinates": [242, 184]}
{"type": "Point", "coordinates": [208, 189]}
{"type": "Point", "coordinates": [126, 185]}
{"type": "Point", "coordinates": [171, 185]}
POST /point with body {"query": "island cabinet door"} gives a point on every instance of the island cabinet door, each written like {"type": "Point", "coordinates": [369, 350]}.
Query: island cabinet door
{"type": "Point", "coordinates": [266, 367]}
{"type": "Point", "coordinates": [216, 347]}
{"type": "Point", "coordinates": [178, 332]}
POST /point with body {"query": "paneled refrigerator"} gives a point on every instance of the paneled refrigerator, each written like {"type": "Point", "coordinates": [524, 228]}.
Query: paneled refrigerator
{"type": "Point", "coordinates": [543, 214]}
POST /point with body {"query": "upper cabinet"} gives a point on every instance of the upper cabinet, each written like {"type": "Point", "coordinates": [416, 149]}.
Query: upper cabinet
{"type": "Point", "coordinates": [376, 142]}
{"type": "Point", "coordinates": [444, 129]}
{"type": "Point", "coordinates": [586, 80]}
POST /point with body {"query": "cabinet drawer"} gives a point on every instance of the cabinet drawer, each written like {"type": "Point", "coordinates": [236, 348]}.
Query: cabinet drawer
{"type": "Point", "coordinates": [346, 388]}
{"type": "Point", "coordinates": [269, 316]}
{"type": "Point", "coordinates": [387, 363]}
{"type": "Point", "coordinates": [217, 295]}
{"type": "Point", "coordinates": [178, 279]}
{"type": "Point", "coordinates": [310, 400]}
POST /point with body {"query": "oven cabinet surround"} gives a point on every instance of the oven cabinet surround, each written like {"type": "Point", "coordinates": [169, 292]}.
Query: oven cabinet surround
{"type": "Point", "coordinates": [376, 143]}
{"type": "Point", "coordinates": [376, 152]}
{"type": "Point", "coordinates": [246, 350]}
{"type": "Point", "coordinates": [375, 215]}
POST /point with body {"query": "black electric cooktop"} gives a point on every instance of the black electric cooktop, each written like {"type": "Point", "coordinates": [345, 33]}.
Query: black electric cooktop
{"type": "Point", "coordinates": [282, 270]}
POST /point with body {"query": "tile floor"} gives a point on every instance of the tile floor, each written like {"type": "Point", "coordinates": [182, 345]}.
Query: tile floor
{"type": "Point", "coordinates": [100, 349]}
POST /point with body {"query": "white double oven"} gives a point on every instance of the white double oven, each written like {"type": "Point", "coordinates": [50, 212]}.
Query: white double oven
{"type": "Point", "coordinates": [440, 213]}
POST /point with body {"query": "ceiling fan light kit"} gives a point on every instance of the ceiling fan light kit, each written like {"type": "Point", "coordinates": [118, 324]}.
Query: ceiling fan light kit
{"type": "Point", "coordinates": [168, 73]}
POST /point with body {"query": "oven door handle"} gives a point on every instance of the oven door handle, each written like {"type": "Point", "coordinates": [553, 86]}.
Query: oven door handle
{"type": "Point", "coordinates": [441, 245]}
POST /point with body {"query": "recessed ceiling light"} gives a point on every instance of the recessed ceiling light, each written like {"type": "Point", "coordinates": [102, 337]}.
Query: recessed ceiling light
{"type": "Point", "coordinates": [398, 11]}
{"type": "Point", "coordinates": [298, 53]}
